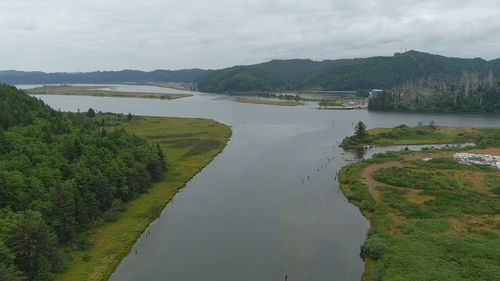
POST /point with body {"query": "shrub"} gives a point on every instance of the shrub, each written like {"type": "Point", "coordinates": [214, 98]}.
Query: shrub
{"type": "Point", "coordinates": [374, 248]}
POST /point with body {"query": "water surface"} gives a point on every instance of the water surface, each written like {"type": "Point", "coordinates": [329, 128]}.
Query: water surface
{"type": "Point", "coordinates": [269, 205]}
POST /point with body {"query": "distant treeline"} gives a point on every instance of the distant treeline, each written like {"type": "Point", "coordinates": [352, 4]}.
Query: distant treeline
{"type": "Point", "coordinates": [123, 76]}
{"type": "Point", "coordinates": [61, 174]}
{"type": "Point", "coordinates": [287, 75]}
{"type": "Point", "coordinates": [344, 74]}
{"type": "Point", "coordinates": [472, 92]}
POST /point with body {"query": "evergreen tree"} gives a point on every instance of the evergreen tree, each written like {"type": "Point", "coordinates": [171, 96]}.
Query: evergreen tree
{"type": "Point", "coordinates": [35, 247]}
{"type": "Point", "coordinates": [64, 211]}
{"type": "Point", "coordinates": [10, 273]}
{"type": "Point", "coordinates": [360, 131]}
{"type": "Point", "coordinates": [60, 173]}
{"type": "Point", "coordinates": [91, 113]}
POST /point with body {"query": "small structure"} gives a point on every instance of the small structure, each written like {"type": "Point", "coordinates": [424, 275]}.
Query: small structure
{"type": "Point", "coordinates": [340, 107]}
{"type": "Point", "coordinates": [375, 92]}
{"type": "Point", "coordinates": [478, 159]}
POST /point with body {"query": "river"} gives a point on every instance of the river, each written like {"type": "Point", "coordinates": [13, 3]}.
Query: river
{"type": "Point", "coordinates": [269, 205]}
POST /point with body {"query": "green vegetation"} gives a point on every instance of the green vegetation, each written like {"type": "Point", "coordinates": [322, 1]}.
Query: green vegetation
{"type": "Point", "coordinates": [327, 103]}
{"type": "Point", "coordinates": [269, 102]}
{"type": "Point", "coordinates": [98, 91]}
{"type": "Point", "coordinates": [78, 188]}
{"type": "Point", "coordinates": [429, 225]}
{"type": "Point", "coordinates": [62, 174]}
{"type": "Point", "coordinates": [101, 77]}
{"type": "Point", "coordinates": [473, 93]}
{"type": "Point", "coordinates": [423, 134]}
{"type": "Point", "coordinates": [430, 220]}
{"type": "Point", "coordinates": [294, 97]}
{"type": "Point", "coordinates": [343, 74]}
{"type": "Point", "coordinates": [190, 145]}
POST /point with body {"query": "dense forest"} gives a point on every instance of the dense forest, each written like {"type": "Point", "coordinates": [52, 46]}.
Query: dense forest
{"type": "Point", "coordinates": [472, 92]}
{"type": "Point", "coordinates": [343, 74]}
{"type": "Point", "coordinates": [382, 72]}
{"type": "Point", "coordinates": [123, 76]}
{"type": "Point", "coordinates": [62, 174]}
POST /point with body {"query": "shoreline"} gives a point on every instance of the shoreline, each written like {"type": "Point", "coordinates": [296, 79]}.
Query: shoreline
{"type": "Point", "coordinates": [164, 190]}
{"type": "Point", "coordinates": [94, 91]}
{"type": "Point", "coordinates": [358, 186]}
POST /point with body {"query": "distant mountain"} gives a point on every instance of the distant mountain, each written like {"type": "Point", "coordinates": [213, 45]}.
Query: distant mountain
{"type": "Point", "coordinates": [268, 76]}
{"type": "Point", "coordinates": [278, 75]}
{"type": "Point", "coordinates": [36, 77]}
{"type": "Point", "coordinates": [342, 74]}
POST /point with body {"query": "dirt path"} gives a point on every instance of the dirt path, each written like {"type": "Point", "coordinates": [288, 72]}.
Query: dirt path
{"type": "Point", "coordinates": [371, 182]}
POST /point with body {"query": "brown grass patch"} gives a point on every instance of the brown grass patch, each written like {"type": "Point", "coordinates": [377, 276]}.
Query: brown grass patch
{"type": "Point", "coordinates": [414, 196]}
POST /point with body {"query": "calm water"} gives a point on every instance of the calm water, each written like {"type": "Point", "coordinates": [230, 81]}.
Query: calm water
{"type": "Point", "coordinates": [269, 205]}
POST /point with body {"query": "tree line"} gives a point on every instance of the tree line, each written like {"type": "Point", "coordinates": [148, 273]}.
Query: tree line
{"type": "Point", "coordinates": [62, 174]}
{"type": "Point", "coordinates": [472, 92]}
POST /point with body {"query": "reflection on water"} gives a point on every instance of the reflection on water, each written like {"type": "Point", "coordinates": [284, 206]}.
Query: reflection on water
{"type": "Point", "coordinates": [270, 204]}
{"type": "Point", "coordinates": [366, 153]}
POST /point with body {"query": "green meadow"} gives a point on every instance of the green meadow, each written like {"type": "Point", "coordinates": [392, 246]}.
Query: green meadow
{"type": "Point", "coordinates": [430, 220]}
{"type": "Point", "coordinates": [189, 145]}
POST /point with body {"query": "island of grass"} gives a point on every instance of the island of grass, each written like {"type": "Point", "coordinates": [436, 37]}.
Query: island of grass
{"type": "Point", "coordinates": [269, 101]}
{"type": "Point", "coordinates": [190, 144]}
{"type": "Point", "coordinates": [431, 217]}
{"type": "Point", "coordinates": [330, 103]}
{"type": "Point", "coordinates": [418, 135]}
{"type": "Point", "coordinates": [69, 90]}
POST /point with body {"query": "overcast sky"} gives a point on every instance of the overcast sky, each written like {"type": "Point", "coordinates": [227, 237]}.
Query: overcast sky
{"type": "Point", "coordinates": [87, 35]}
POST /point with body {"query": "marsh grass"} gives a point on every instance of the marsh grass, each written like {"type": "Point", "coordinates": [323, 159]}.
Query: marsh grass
{"type": "Point", "coordinates": [269, 101]}
{"type": "Point", "coordinates": [454, 234]}
{"type": "Point", "coordinates": [110, 242]}
{"type": "Point", "coordinates": [70, 90]}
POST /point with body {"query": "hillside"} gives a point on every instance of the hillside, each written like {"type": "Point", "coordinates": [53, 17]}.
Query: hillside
{"type": "Point", "coordinates": [268, 76]}
{"type": "Point", "coordinates": [472, 92]}
{"type": "Point", "coordinates": [279, 75]}
{"type": "Point", "coordinates": [123, 76]}
{"type": "Point", "coordinates": [62, 175]}
{"type": "Point", "coordinates": [343, 74]}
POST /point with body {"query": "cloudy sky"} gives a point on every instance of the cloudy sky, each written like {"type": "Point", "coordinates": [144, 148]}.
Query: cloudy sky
{"type": "Point", "coordinates": [86, 35]}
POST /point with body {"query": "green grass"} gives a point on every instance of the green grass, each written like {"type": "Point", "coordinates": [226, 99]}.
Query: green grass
{"type": "Point", "coordinates": [269, 102]}
{"type": "Point", "coordinates": [189, 144]}
{"type": "Point", "coordinates": [452, 235]}
{"type": "Point", "coordinates": [69, 90]}
{"type": "Point", "coordinates": [326, 103]}
{"type": "Point", "coordinates": [425, 134]}
{"type": "Point", "coordinates": [422, 135]}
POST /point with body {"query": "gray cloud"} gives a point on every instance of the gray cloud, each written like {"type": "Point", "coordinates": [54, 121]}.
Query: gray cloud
{"type": "Point", "coordinates": [84, 35]}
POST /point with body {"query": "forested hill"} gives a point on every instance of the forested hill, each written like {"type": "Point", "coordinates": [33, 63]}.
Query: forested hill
{"type": "Point", "coordinates": [472, 92]}
{"type": "Point", "coordinates": [61, 174]}
{"type": "Point", "coordinates": [295, 74]}
{"type": "Point", "coordinates": [36, 77]}
{"type": "Point", "coordinates": [343, 74]}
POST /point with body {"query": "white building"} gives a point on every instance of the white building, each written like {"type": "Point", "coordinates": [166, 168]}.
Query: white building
{"type": "Point", "coordinates": [375, 92]}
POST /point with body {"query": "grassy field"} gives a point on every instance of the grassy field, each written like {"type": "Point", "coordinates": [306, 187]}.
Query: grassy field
{"type": "Point", "coordinates": [423, 134]}
{"type": "Point", "coordinates": [269, 102]}
{"type": "Point", "coordinates": [96, 91]}
{"type": "Point", "coordinates": [189, 144]}
{"type": "Point", "coordinates": [435, 220]}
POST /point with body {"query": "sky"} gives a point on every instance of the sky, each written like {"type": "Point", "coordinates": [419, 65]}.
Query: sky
{"type": "Point", "coordinates": [90, 35]}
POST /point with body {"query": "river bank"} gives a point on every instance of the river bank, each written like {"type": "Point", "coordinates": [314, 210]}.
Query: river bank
{"type": "Point", "coordinates": [98, 91]}
{"type": "Point", "coordinates": [417, 135]}
{"type": "Point", "coordinates": [189, 145]}
{"type": "Point", "coordinates": [427, 224]}
{"type": "Point", "coordinates": [307, 230]}
{"type": "Point", "coordinates": [267, 101]}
